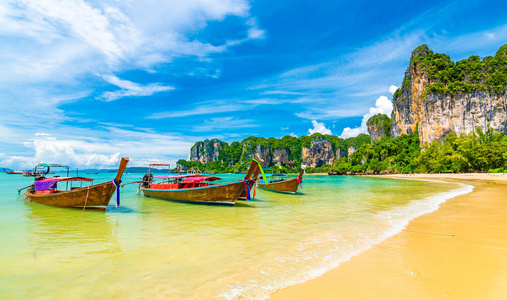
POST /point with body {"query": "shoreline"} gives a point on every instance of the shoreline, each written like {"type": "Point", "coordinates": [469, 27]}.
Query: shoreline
{"type": "Point", "coordinates": [458, 251]}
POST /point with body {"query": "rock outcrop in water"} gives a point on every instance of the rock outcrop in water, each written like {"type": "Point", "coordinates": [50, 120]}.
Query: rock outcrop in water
{"type": "Point", "coordinates": [442, 97]}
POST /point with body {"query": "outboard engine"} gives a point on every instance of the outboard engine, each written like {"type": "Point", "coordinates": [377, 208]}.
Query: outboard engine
{"type": "Point", "coordinates": [147, 179]}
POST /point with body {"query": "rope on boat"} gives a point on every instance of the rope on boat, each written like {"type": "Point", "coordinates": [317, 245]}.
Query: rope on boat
{"type": "Point", "coordinates": [86, 200]}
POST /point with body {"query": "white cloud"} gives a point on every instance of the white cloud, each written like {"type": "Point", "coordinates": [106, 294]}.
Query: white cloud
{"type": "Point", "coordinates": [490, 35]}
{"type": "Point", "coordinates": [392, 89]}
{"type": "Point", "coordinates": [41, 133]}
{"type": "Point", "coordinates": [225, 123]}
{"type": "Point", "coordinates": [97, 147]}
{"type": "Point", "coordinates": [383, 106]}
{"type": "Point", "coordinates": [211, 107]}
{"type": "Point", "coordinates": [73, 39]}
{"type": "Point", "coordinates": [130, 89]}
{"type": "Point", "coordinates": [72, 153]}
{"type": "Point", "coordinates": [318, 128]}
{"type": "Point", "coordinates": [293, 134]}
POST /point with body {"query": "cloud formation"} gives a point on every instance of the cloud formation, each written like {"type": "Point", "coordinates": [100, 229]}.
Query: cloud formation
{"type": "Point", "coordinates": [130, 89]}
{"type": "Point", "coordinates": [319, 128]}
{"type": "Point", "coordinates": [382, 106]}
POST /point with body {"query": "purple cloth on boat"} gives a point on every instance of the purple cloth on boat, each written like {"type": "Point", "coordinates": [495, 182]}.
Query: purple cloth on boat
{"type": "Point", "coordinates": [42, 185]}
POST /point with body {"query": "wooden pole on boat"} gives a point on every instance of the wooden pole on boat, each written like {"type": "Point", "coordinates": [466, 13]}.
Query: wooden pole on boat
{"type": "Point", "coordinates": [302, 171]}
{"type": "Point", "coordinates": [19, 190]}
{"type": "Point", "coordinates": [124, 184]}
{"type": "Point", "coordinates": [258, 170]}
{"type": "Point", "coordinates": [123, 165]}
{"type": "Point", "coordinates": [254, 167]}
{"type": "Point", "coordinates": [251, 170]}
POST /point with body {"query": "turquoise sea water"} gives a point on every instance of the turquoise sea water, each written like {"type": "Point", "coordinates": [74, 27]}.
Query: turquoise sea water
{"type": "Point", "coordinates": [152, 248]}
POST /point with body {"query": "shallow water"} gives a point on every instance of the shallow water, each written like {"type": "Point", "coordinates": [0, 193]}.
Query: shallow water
{"type": "Point", "coordinates": [152, 248]}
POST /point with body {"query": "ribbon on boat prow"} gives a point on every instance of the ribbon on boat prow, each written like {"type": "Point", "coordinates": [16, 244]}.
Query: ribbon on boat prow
{"type": "Point", "coordinates": [300, 177]}
{"type": "Point", "coordinates": [117, 180]}
{"type": "Point", "coordinates": [252, 174]}
{"type": "Point", "coordinates": [261, 170]}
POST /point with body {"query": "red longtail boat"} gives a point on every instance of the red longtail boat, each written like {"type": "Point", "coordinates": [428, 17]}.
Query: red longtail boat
{"type": "Point", "coordinates": [197, 188]}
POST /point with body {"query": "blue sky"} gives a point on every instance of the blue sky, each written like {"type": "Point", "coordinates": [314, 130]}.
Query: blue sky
{"type": "Point", "coordinates": [86, 82]}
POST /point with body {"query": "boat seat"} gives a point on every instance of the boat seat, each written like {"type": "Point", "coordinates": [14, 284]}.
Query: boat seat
{"type": "Point", "coordinates": [44, 192]}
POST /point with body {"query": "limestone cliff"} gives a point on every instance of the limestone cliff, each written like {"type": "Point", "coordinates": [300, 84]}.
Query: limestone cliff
{"type": "Point", "coordinates": [280, 157]}
{"type": "Point", "coordinates": [442, 97]}
{"type": "Point", "coordinates": [379, 125]}
{"type": "Point", "coordinates": [206, 151]}
{"type": "Point", "coordinates": [257, 151]}
{"type": "Point", "coordinates": [320, 153]}
{"type": "Point", "coordinates": [315, 151]}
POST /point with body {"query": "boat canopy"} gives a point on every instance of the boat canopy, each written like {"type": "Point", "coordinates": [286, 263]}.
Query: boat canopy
{"type": "Point", "coordinates": [52, 166]}
{"type": "Point", "coordinates": [50, 183]}
{"type": "Point", "coordinates": [58, 179]}
{"type": "Point", "coordinates": [161, 165]}
{"type": "Point", "coordinates": [189, 178]}
{"type": "Point", "coordinates": [175, 176]}
{"type": "Point", "coordinates": [200, 178]}
{"type": "Point", "coordinates": [275, 175]}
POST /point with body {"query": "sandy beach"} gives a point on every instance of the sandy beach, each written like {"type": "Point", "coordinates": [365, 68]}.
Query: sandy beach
{"type": "Point", "coordinates": [456, 252]}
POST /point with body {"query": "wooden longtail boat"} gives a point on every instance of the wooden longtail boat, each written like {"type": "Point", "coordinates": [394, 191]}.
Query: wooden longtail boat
{"type": "Point", "coordinates": [282, 185]}
{"type": "Point", "coordinates": [31, 173]}
{"type": "Point", "coordinates": [197, 188]}
{"type": "Point", "coordinates": [96, 196]}
{"type": "Point", "coordinates": [12, 172]}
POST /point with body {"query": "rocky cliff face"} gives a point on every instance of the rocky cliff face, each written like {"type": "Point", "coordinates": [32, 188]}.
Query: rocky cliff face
{"type": "Point", "coordinates": [314, 151]}
{"type": "Point", "coordinates": [421, 101]}
{"type": "Point", "coordinates": [206, 151]}
{"type": "Point", "coordinates": [280, 157]}
{"type": "Point", "coordinates": [320, 153]}
{"type": "Point", "coordinates": [379, 126]}
{"type": "Point", "coordinates": [257, 151]}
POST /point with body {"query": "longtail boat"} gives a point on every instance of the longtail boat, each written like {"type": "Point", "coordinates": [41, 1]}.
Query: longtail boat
{"type": "Point", "coordinates": [197, 188]}
{"type": "Point", "coordinates": [31, 173]}
{"type": "Point", "coordinates": [12, 172]}
{"type": "Point", "coordinates": [281, 184]}
{"type": "Point", "coordinates": [96, 196]}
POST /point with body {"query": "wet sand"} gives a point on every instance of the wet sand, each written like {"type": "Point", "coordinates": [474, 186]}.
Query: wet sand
{"type": "Point", "coordinates": [456, 252]}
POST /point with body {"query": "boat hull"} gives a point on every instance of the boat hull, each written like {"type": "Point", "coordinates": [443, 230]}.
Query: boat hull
{"type": "Point", "coordinates": [95, 196]}
{"type": "Point", "coordinates": [289, 186]}
{"type": "Point", "coordinates": [223, 194]}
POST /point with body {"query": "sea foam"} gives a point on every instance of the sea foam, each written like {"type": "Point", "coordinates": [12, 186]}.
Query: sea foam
{"type": "Point", "coordinates": [326, 251]}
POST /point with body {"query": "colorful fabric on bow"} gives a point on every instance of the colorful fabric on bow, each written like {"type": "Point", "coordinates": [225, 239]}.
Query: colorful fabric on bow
{"type": "Point", "coordinates": [247, 189]}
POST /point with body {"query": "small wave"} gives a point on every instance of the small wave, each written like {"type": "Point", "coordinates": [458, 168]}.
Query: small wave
{"type": "Point", "coordinates": [330, 249]}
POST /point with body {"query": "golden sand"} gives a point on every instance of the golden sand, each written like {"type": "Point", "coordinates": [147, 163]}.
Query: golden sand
{"type": "Point", "coordinates": [456, 252]}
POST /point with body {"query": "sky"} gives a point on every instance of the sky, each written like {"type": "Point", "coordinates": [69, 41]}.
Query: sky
{"type": "Point", "coordinates": [84, 83]}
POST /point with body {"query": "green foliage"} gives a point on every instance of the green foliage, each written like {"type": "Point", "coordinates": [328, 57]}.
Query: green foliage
{"type": "Point", "coordinates": [481, 151]}
{"type": "Point", "coordinates": [446, 77]}
{"type": "Point", "coordinates": [381, 121]}
{"type": "Point", "coordinates": [235, 156]}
